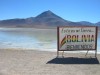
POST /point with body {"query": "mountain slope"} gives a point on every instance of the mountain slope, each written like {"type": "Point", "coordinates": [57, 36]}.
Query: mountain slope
{"type": "Point", "coordinates": [98, 23]}
{"type": "Point", "coordinates": [12, 22]}
{"type": "Point", "coordinates": [43, 20]}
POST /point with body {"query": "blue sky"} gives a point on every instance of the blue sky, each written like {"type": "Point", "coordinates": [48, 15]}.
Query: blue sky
{"type": "Point", "coordinates": [72, 10]}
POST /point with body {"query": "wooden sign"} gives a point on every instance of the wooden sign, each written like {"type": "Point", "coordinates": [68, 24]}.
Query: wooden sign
{"type": "Point", "coordinates": [77, 38]}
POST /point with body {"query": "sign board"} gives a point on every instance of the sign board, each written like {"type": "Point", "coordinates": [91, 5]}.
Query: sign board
{"type": "Point", "coordinates": [77, 38]}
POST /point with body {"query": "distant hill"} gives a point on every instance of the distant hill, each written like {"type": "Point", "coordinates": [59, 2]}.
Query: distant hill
{"type": "Point", "coordinates": [86, 23]}
{"type": "Point", "coordinates": [98, 23]}
{"type": "Point", "coordinates": [46, 19]}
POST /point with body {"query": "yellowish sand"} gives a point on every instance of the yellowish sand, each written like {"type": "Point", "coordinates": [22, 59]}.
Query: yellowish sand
{"type": "Point", "coordinates": [32, 62]}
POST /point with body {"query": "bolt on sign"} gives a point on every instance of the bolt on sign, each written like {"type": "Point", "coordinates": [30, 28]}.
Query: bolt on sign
{"type": "Point", "coordinates": [77, 38]}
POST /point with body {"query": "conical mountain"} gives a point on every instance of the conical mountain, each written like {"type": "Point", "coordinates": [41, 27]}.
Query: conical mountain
{"type": "Point", "coordinates": [48, 14]}
{"type": "Point", "coordinates": [50, 19]}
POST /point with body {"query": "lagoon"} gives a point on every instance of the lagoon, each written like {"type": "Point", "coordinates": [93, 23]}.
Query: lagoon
{"type": "Point", "coordinates": [31, 38]}
{"type": "Point", "coordinates": [28, 38]}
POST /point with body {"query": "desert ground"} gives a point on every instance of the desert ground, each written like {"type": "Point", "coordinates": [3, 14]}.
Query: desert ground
{"type": "Point", "coordinates": [33, 62]}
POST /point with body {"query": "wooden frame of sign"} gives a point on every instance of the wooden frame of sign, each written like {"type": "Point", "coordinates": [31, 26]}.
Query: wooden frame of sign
{"type": "Point", "coordinates": [72, 38]}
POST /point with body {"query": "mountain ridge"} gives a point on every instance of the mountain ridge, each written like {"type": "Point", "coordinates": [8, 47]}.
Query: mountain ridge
{"type": "Point", "coordinates": [45, 19]}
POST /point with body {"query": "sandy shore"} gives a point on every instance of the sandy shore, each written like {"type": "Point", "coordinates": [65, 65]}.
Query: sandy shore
{"type": "Point", "coordinates": [31, 62]}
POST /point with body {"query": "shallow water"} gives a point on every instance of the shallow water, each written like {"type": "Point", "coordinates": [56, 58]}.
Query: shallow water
{"type": "Point", "coordinates": [28, 38]}
{"type": "Point", "coordinates": [31, 38]}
